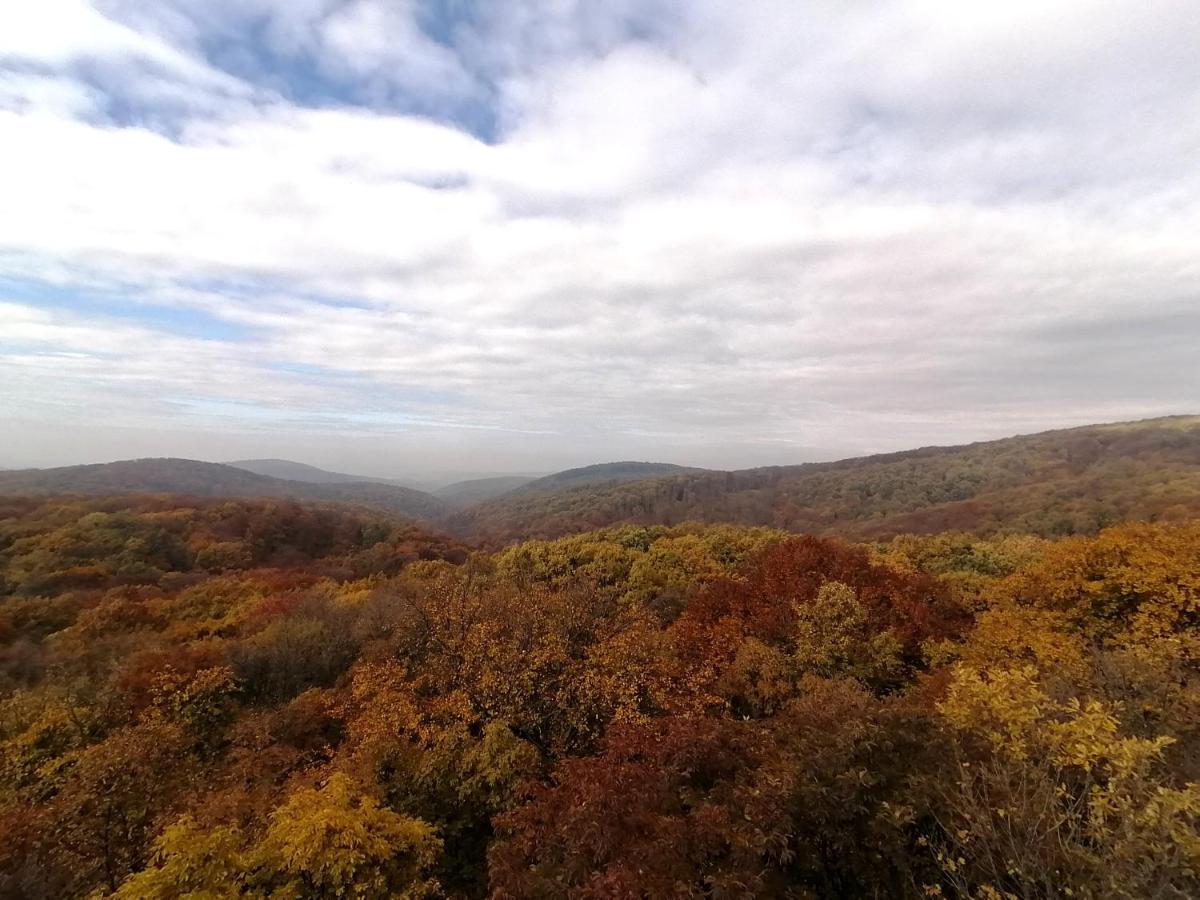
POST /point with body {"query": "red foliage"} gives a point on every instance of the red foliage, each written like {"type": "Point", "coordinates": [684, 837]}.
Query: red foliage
{"type": "Point", "coordinates": [665, 810]}
{"type": "Point", "coordinates": [272, 607]}
{"type": "Point", "coordinates": [760, 602]}
{"type": "Point", "coordinates": [137, 678]}
{"type": "Point", "coordinates": [715, 807]}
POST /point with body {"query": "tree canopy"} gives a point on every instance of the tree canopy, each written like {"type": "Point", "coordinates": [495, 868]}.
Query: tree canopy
{"type": "Point", "coordinates": [220, 699]}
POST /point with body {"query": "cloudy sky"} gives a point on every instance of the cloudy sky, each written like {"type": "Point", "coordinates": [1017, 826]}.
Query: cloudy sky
{"type": "Point", "coordinates": [400, 237]}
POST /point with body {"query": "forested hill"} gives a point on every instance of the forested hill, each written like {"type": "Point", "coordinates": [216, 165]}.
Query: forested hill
{"type": "Point", "coordinates": [1057, 482]}
{"type": "Point", "coordinates": [602, 473]}
{"type": "Point", "coordinates": [201, 479]}
{"type": "Point", "coordinates": [55, 545]}
{"type": "Point", "coordinates": [294, 471]}
{"type": "Point", "coordinates": [476, 490]}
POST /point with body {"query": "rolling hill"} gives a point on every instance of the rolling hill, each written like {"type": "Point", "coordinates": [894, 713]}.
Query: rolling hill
{"type": "Point", "coordinates": [602, 473]}
{"type": "Point", "coordinates": [202, 479]}
{"type": "Point", "coordinates": [288, 470]}
{"type": "Point", "coordinates": [1057, 482]}
{"type": "Point", "coordinates": [477, 490]}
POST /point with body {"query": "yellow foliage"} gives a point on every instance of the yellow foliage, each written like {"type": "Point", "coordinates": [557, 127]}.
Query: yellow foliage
{"type": "Point", "coordinates": [190, 863]}
{"type": "Point", "coordinates": [834, 638]}
{"type": "Point", "coordinates": [628, 675]}
{"type": "Point", "coordinates": [1128, 585]}
{"type": "Point", "coordinates": [355, 593]}
{"type": "Point", "coordinates": [1012, 636]}
{"type": "Point", "coordinates": [381, 705]}
{"type": "Point", "coordinates": [1009, 709]}
{"type": "Point", "coordinates": [337, 842]}
{"type": "Point", "coordinates": [760, 680]}
{"type": "Point", "coordinates": [201, 700]}
{"type": "Point", "coordinates": [1061, 797]}
{"type": "Point", "coordinates": [330, 842]}
{"type": "Point", "coordinates": [656, 565]}
{"type": "Point", "coordinates": [51, 730]}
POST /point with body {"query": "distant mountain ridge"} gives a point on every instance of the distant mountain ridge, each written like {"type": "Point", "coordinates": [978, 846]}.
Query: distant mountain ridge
{"type": "Point", "coordinates": [202, 479]}
{"type": "Point", "coordinates": [602, 473]}
{"type": "Point", "coordinates": [289, 470]}
{"type": "Point", "coordinates": [1056, 482]}
{"type": "Point", "coordinates": [476, 490]}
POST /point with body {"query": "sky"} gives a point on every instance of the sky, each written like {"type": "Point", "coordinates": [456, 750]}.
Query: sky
{"type": "Point", "coordinates": [403, 237]}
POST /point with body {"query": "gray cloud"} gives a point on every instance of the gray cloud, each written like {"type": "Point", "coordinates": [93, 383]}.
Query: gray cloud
{"type": "Point", "coordinates": [711, 233]}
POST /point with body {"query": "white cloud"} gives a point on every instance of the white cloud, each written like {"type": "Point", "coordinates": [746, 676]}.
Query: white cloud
{"type": "Point", "coordinates": [60, 33]}
{"type": "Point", "coordinates": [59, 98]}
{"type": "Point", "coordinates": [384, 43]}
{"type": "Point", "coordinates": [834, 224]}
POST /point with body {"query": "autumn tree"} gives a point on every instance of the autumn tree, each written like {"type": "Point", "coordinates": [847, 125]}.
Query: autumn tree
{"type": "Point", "coordinates": [1051, 797]}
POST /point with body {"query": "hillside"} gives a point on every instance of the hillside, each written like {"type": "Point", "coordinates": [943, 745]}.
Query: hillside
{"type": "Point", "coordinates": [1057, 482]}
{"type": "Point", "coordinates": [289, 470]}
{"type": "Point", "coordinates": [463, 494]}
{"type": "Point", "coordinates": [390, 498]}
{"type": "Point", "coordinates": [601, 473]}
{"type": "Point", "coordinates": [202, 479]}
{"type": "Point", "coordinates": [58, 544]}
{"type": "Point", "coordinates": [477, 490]}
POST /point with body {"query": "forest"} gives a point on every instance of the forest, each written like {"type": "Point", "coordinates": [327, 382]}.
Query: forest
{"type": "Point", "coordinates": [599, 450]}
{"type": "Point", "coordinates": [1070, 481]}
{"type": "Point", "coordinates": [259, 698]}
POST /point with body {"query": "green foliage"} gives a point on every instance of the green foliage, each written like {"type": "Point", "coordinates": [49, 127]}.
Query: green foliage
{"type": "Point", "coordinates": [603, 473]}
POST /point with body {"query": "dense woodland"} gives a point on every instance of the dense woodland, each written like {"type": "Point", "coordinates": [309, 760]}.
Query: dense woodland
{"type": "Point", "coordinates": [214, 698]}
{"type": "Point", "coordinates": [204, 479]}
{"type": "Point", "coordinates": [1056, 483]}
{"type": "Point", "coordinates": [602, 473]}
{"type": "Point", "coordinates": [1074, 481]}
